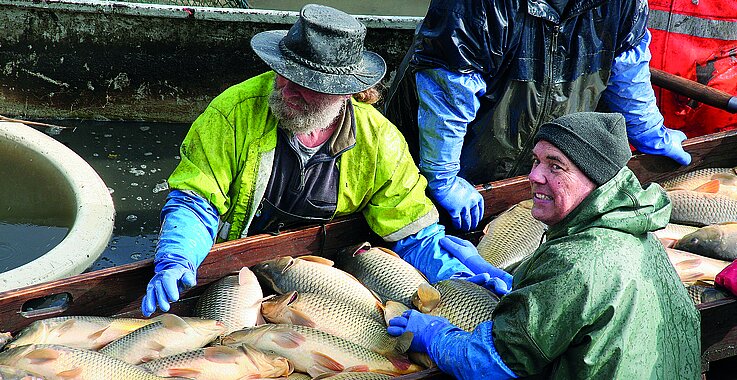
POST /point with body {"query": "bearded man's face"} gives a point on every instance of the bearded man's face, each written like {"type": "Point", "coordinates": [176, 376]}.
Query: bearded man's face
{"type": "Point", "coordinates": [302, 110]}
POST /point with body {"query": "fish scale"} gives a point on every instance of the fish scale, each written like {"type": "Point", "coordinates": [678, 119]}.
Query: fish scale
{"type": "Point", "coordinates": [511, 237]}
{"type": "Point", "coordinates": [463, 303]}
{"type": "Point", "coordinates": [301, 344]}
{"type": "Point", "coordinates": [332, 316]}
{"type": "Point", "coordinates": [288, 274]}
{"type": "Point", "coordinates": [700, 209]}
{"type": "Point", "coordinates": [233, 300]}
{"type": "Point", "coordinates": [88, 365]}
{"type": "Point", "coordinates": [220, 363]}
{"type": "Point", "coordinates": [378, 269]}
{"type": "Point", "coordinates": [695, 178]}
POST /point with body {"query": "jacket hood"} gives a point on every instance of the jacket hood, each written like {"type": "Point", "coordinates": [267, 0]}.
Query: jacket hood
{"type": "Point", "coordinates": [620, 204]}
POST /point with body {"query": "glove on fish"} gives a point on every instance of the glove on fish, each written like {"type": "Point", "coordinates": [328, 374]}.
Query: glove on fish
{"type": "Point", "coordinates": [494, 284]}
{"type": "Point", "coordinates": [466, 253]}
{"type": "Point", "coordinates": [727, 278]}
{"type": "Point", "coordinates": [422, 326]}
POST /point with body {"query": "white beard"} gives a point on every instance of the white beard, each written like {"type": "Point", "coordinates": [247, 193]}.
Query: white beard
{"type": "Point", "coordinates": [306, 120]}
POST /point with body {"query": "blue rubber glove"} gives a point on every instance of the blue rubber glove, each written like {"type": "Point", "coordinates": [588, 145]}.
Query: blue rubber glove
{"type": "Point", "coordinates": [630, 93]}
{"type": "Point", "coordinates": [188, 228]}
{"type": "Point", "coordinates": [422, 326]}
{"type": "Point", "coordinates": [464, 203]}
{"type": "Point", "coordinates": [493, 284]}
{"type": "Point", "coordinates": [466, 253]}
{"type": "Point", "coordinates": [448, 101]}
{"type": "Point", "coordinates": [423, 251]}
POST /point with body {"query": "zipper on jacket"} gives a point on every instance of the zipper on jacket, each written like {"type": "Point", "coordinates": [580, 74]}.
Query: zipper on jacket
{"type": "Point", "coordinates": [548, 82]}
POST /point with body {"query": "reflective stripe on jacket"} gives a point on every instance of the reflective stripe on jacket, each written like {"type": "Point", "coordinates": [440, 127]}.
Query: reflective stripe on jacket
{"type": "Point", "coordinates": [228, 153]}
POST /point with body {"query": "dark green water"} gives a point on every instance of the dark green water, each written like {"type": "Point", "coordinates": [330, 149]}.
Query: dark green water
{"type": "Point", "coordinates": [23, 242]}
{"type": "Point", "coordinates": [134, 159]}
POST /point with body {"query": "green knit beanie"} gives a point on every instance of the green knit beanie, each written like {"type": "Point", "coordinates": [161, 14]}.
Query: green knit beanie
{"type": "Point", "coordinates": [595, 142]}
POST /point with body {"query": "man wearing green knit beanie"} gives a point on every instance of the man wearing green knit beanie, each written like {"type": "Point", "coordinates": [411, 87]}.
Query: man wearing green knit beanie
{"type": "Point", "coordinates": [591, 301]}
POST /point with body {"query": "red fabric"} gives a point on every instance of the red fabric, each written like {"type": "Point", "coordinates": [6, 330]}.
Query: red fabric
{"type": "Point", "coordinates": [681, 54]}
{"type": "Point", "coordinates": [727, 278]}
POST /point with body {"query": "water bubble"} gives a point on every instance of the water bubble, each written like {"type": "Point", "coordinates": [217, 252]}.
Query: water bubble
{"type": "Point", "coordinates": [136, 256]}
{"type": "Point", "coordinates": [143, 166]}
{"type": "Point", "coordinates": [110, 190]}
{"type": "Point", "coordinates": [134, 184]}
{"type": "Point", "coordinates": [161, 187]}
{"type": "Point", "coordinates": [144, 129]}
{"type": "Point", "coordinates": [107, 135]}
{"type": "Point", "coordinates": [148, 154]}
{"type": "Point", "coordinates": [139, 198]}
{"type": "Point", "coordinates": [131, 218]}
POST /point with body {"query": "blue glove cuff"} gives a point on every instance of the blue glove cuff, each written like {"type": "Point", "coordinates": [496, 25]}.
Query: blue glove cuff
{"type": "Point", "coordinates": [423, 251]}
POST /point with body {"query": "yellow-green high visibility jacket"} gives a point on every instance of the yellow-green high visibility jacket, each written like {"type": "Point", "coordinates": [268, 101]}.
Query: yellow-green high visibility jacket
{"type": "Point", "coordinates": [228, 153]}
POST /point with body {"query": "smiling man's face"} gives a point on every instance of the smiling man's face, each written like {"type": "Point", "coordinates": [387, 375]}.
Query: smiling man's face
{"type": "Point", "coordinates": [558, 185]}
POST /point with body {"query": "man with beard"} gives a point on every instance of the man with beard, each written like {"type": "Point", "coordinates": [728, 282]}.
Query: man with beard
{"type": "Point", "coordinates": [292, 147]}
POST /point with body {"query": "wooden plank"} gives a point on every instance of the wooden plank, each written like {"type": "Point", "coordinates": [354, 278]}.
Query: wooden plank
{"type": "Point", "coordinates": [118, 291]}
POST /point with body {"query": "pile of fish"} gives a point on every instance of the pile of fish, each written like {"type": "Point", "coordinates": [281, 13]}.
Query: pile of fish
{"type": "Point", "coordinates": [289, 318]}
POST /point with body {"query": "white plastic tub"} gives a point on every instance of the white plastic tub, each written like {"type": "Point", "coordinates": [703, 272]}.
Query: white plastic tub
{"type": "Point", "coordinates": [41, 179]}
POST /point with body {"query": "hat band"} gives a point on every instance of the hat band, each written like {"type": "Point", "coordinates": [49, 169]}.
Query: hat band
{"type": "Point", "coordinates": [340, 70]}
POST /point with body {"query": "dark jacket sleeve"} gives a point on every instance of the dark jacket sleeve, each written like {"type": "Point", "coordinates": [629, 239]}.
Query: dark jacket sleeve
{"type": "Point", "coordinates": [634, 24]}
{"type": "Point", "coordinates": [463, 36]}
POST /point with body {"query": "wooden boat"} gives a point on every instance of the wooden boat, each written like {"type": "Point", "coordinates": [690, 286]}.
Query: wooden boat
{"type": "Point", "coordinates": [118, 291]}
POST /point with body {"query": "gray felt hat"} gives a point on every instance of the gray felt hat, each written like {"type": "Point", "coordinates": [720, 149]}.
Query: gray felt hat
{"type": "Point", "coordinates": [323, 51]}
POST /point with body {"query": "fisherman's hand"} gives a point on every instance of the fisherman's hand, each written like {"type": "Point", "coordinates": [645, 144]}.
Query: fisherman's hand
{"type": "Point", "coordinates": [466, 253]}
{"type": "Point", "coordinates": [464, 204]}
{"type": "Point", "coordinates": [422, 326]}
{"type": "Point", "coordinates": [496, 285]}
{"type": "Point", "coordinates": [727, 278]}
{"type": "Point", "coordinates": [664, 142]}
{"type": "Point", "coordinates": [166, 286]}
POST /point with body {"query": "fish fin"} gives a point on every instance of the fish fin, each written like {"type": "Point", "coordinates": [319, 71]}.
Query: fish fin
{"type": "Point", "coordinates": [245, 277]}
{"type": "Point", "coordinates": [668, 242]}
{"type": "Point", "coordinates": [426, 298]}
{"type": "Point", "coordinates": [422, 359]}
{"type": "Point", "coordinates": [389, 251]}
{"type": "Point", "coordinates": [298, 317]}
{"type": "Point", "coordinates": [97, 334]}
{"type": "Point", "coordinates": [155, 346]}
{"type": "Point", "coordinates": [65, 326]}
{"type": "Point", "coordinates": [709, 187]}
{"type": "Point", "coordinates": [260, 319]}
{"type": "Point", "coordinates": [688, 264]}
{"type": "Point", "coordinates": [287, 338]}
{"type": "Point", "coordinates": [73, 373]}
{"type": "Point", "coordinates": [357, 368]}
{"type": "Point", "coordinates": [191, 373]}
{"type": "Point", "coordinates": [42, 355]}
{"type": "Point", "coordinates": [220, 354]}
{"type": "Point", "coordinates": [317, 259]}
{"type": "Point", "coordinates": [403, 342]}
{"type": "Point", "coordinates": [174, 322]}
{"type": "Point", "coordinates": [324, 363]}
{"type": "Point", "coordinates": [400, 362]}
{"type": "Point", "coordinates": [393, 309]}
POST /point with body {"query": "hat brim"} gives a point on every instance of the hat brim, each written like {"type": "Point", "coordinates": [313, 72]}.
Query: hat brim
{"type": "Point", "coordinates": [371, 68]}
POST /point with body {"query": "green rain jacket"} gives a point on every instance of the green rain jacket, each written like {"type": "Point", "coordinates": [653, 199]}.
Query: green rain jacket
{"type": "Point", "coordinates": [600, 299]}
{"type": "Point", "coordinates": [228, 153]}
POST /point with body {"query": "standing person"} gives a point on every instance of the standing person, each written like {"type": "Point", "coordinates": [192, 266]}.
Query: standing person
{"type": "Point", "coordinates": [599, 299]}
{"type": "Point", "coordinates": [292, 147]}
{"type": "Point", "coordinates": [483, 75]}
{"type": "Point", "coordinates": [703, 37]}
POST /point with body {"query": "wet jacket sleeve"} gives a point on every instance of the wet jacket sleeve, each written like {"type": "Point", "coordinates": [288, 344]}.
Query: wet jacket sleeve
{"type": "Point", "coordinates": [531, 328]}
{"type": "Point", "coordinates": [188, 227]}
{"type": "Point", "coordinates": [469, 355]}
{"type": "Point", "coordinates": [448, 101]}
{"type": "Point", "coordinates": [208, 158]}
{"type": "Point", "coordinates": [423, 251]}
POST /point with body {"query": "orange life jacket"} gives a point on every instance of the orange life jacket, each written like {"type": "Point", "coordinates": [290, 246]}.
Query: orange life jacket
{"type": "Point", "coordinates": [697, 40]}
